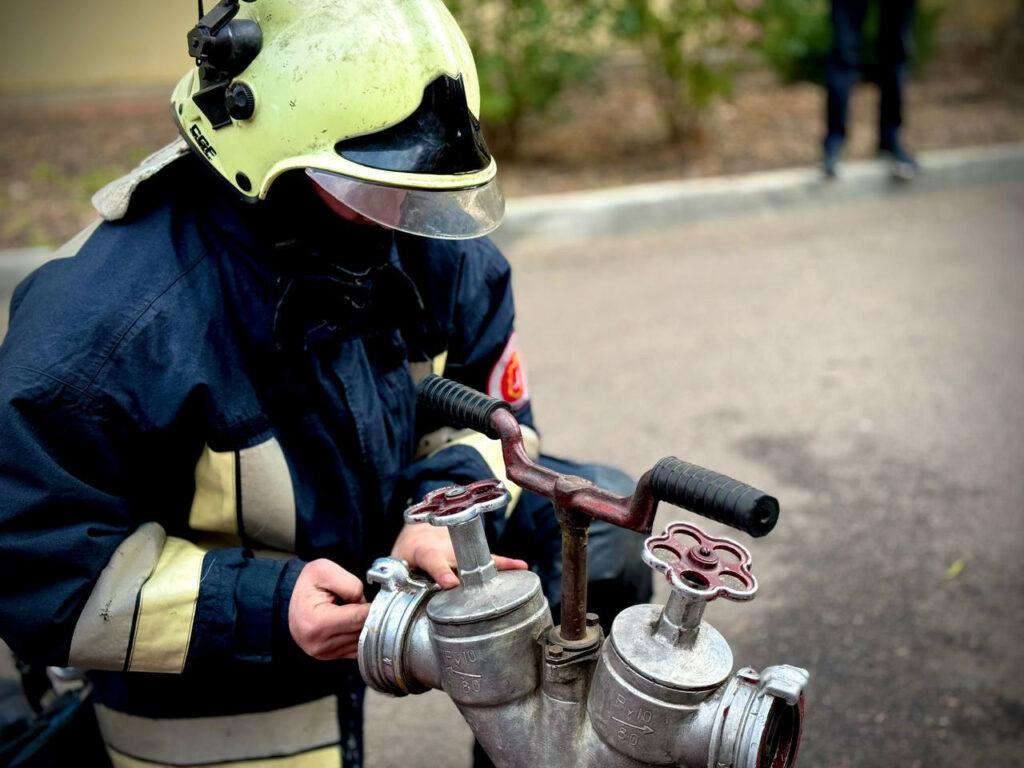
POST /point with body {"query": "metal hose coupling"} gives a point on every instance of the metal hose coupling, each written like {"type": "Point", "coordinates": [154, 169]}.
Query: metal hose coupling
{"type": "Point", "coordinates": [394, 647]}
{"type": "Point", "coordinates": [760, 719]}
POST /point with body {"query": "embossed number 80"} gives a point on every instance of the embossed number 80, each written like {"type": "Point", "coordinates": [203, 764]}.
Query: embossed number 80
{"type": "Point", "coordinates": [633, 738]}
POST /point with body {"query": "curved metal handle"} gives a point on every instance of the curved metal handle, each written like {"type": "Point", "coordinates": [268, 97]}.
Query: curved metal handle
{"type": "Point", "coordinates": [687, 485]}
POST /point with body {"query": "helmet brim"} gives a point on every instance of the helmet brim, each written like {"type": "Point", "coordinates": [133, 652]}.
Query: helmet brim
{"type": "Point", "coordinates": [445, 214]}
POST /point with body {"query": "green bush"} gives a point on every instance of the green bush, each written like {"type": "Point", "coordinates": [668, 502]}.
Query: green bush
{"type": "Point", "coordinates": [688, 48]}
{"type": "Point", "coordinates": [796, 37]}
{"type": "Point", "coordinates": [530, 51]}
{"type": "Point", "coordinates": [527, 52]}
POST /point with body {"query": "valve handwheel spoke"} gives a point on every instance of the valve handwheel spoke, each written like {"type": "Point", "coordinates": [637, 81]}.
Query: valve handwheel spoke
{"type": "Point", "coordinates": [705, 570]}
{"type": "Point", "coordinates": [458, 503]}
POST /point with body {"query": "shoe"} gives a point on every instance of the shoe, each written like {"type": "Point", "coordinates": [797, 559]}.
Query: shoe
{"type": "Point", "coordinates": [830, 161]}
{"type": "Point", "coordinates": [902, 164]}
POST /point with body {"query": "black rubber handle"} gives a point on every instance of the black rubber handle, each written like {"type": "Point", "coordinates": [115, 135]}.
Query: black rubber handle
{"type": "Point", "coordinates": [459, 405]}
{"type": "Point", "coordinates": [714, 496]}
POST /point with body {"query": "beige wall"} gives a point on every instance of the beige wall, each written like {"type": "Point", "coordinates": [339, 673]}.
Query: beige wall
{"type": "Point", "coordinates": [56, 45]}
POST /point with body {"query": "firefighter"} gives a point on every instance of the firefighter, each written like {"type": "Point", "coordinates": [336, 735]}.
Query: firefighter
{"type": "Point", "coordinates": [207, 402]}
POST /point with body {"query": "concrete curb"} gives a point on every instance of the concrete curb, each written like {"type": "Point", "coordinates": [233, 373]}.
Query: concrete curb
{"type": "Point", "coordinates": [621, 210]}
{"type": "Point", "coordinates": [635, 208]}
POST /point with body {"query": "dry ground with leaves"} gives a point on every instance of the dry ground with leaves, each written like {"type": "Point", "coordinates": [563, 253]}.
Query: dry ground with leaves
{"type": "Point", "coordinates": [55, 154]}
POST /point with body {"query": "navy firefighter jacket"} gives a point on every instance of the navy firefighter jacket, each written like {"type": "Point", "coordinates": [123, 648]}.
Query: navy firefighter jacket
{"type": "Point", "coordinates": [194, 404]}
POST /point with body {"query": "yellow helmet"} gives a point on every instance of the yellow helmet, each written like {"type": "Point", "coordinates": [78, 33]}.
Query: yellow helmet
{"type": "Point", "coordinates": [378, 101]}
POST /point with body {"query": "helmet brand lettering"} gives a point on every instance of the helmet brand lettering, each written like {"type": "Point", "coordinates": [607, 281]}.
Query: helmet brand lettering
{"type": "Point", "coordinates": [202, 142]}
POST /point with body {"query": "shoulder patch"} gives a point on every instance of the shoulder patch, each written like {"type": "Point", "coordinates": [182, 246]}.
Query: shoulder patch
{"type": "Point", "coordinates": [508, 377]}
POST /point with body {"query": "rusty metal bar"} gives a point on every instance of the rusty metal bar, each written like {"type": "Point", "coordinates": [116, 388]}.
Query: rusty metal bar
{"type": "Point", "coordinates": [575, 531]}
{"type": "Point", "coordinates": [577, 502]}
{"type": "Point", "coordinates": [569, 493]}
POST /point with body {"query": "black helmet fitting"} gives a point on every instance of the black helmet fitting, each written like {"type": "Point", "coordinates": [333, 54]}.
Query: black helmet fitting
{"type": "Point", "coordinates": [223, 47]}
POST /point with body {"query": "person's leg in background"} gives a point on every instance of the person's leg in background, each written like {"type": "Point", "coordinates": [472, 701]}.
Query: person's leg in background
{"type": "Point", "coordinates": [617, 577]}
{"type": "Point", "coordinates": [895, 20]}
{"type": "Point", "coordinates": [841, 73]}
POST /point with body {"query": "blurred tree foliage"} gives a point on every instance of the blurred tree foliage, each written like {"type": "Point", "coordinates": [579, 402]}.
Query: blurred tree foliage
{"type": "Point", "coordinates": [687, 46]}
{"type": "Point", "coordinates": [527, 52]}
{"type": "Point", "coordinates": [530, 51]}
{"type": "Point", "coordinates": [797, 36]}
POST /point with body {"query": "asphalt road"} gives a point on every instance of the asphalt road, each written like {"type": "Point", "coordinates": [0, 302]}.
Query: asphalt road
{"type": "Point", "coordinates": [865, 362]}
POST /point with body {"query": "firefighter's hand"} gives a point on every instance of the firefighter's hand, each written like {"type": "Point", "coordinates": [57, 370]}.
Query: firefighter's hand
{"type": "Point", "coordinates": [429, 548]}
{"type": "Point", "coordinates": [319, 625]}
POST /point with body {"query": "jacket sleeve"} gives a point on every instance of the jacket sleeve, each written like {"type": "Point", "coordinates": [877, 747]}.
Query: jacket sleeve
{"type": "Point", "coordinates": [88, 577]}
{"type": "Point", "coordinates": [483, 353]}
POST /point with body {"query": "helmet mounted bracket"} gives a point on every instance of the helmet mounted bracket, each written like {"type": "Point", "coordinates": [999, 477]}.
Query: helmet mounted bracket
{"type": "Point", "coordinates": [222, 47]}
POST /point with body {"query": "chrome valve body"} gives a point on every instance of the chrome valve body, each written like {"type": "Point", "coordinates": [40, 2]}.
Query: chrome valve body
{"type": "Point", "coordinates": [659, 691]}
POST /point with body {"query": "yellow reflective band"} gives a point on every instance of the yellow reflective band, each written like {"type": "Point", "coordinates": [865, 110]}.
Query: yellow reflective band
{"type": "Point", "coordinates": [267, 497]}
{"type": "Point", "coordinates": [327, 757]}
{"type": "Point", "coordinates": [276, 734]}
{"type": "Point", "coordinates": [490, 451]}
{"type": "Point", "coordinates": [420, 370]}
{"type": "Point", "coordinates": [103, 633]}
{"type": "Point", "coordinates": [214, 505]}
{"type": "Point", "coordinates": [167, 607]}
{"type": "Point", "coordinates": [438, 363]}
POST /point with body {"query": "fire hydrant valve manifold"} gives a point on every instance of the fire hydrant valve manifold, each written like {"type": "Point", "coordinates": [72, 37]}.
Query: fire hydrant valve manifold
{"type": "Point", "coordinates": [664, 692]}
{"type": "Point", "coordinates": [660, 690]}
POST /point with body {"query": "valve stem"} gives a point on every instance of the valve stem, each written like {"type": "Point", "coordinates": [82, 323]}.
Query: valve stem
{"type": "Point", "coordinates": [476, 566]}
{"type": "Point", "coordinates": [679, 618]}
{"type": "Point", "coordinates": [458, 508]}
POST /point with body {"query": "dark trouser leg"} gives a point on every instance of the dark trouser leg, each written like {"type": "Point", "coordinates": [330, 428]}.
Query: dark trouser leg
{"type": "Point", "coordinates": [351, 699]}
{"type": "Point", "coordinates": [896, 17]}
{"type": "Point", "coordinates": [842, 70]}
{"type": "Point", "coordinates": [617, 576]}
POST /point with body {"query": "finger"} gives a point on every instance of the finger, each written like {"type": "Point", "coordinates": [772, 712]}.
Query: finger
{"type": "Point", "coordinates": [339, 645]}
{"type": "Point", "coordinates": [352, 653]}
{"type": "Point", "coordinates": [338, 620]}
{"type": "Point", "coordinates": [334, 651]}
{"type": "Point", "coordinates": [509, 563]}
{"type": "Point", "coordinates": [436, 563]}
{"type": "Point", "coordinates": [331, 577]}
{"type": "Point", "coordinates": [344, 646]}
{"type": "Point", "coordinates": [349, 650]}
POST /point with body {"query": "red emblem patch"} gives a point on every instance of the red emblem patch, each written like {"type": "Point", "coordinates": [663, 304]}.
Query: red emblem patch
{"type": "Point", "coordinates": [508, 377]}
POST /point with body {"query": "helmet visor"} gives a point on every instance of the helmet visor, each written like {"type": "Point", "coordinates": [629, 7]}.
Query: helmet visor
{"type": "Point", "coordinates": [446, 214]}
